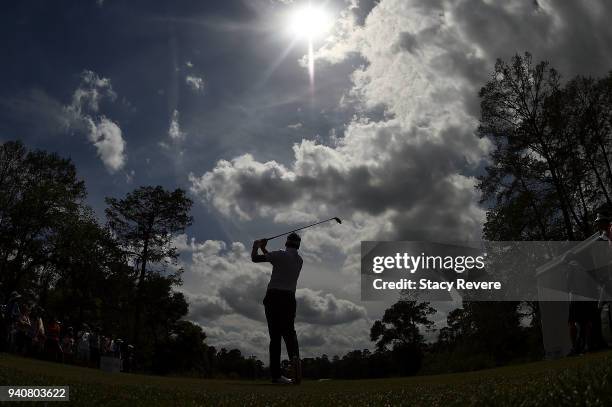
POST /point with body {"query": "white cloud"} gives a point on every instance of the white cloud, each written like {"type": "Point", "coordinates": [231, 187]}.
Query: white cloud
{"type": "Point", "coordinates": [379, 169]}
{"type": "Point", "coordinates": [83, 114]}
{"type": "Point", "coordinates": [174, 130]}
{"type": "Point", "coordinates": [106, 136]}
{"type": "Point", "coordinates": [195, 83]}
{"type": "Point", "coordinates": [90, 92]}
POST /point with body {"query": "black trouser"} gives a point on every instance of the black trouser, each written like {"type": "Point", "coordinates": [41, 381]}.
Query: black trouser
{"type": "Point", "coordinates": [280, 314]}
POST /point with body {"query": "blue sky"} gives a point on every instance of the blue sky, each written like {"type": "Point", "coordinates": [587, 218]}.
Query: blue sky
{"type": "Point", "coordinates": [215, 97]}
{"type": "Point", "coordinates": [148, 50]}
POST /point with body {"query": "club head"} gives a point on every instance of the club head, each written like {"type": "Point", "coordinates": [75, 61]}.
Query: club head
{"type": "Point", "coordinates": [338, 220]}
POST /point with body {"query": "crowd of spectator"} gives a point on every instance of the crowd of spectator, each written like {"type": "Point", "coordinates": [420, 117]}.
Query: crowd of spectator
{"type": "Point", "coordinates": [27, 330]}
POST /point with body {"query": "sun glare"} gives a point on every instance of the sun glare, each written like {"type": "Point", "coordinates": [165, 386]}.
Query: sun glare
{"type": "Point", "coordinates": [310, 22]}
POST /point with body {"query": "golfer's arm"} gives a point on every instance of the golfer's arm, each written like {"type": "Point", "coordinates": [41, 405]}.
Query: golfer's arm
{"type": "Point", "coordinates": [256, 257]}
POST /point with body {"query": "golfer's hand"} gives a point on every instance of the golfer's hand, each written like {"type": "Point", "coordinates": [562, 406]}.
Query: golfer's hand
{"type": "Point", "coordinates": [263, 243]}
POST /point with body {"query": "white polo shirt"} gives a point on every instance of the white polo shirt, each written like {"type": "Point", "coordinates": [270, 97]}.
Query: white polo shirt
{"type": "Point", "coordinates": [286, 267]}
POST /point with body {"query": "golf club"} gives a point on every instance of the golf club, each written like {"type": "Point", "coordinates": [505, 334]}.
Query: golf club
{"type": "Point", "coordinates": [304, 227]}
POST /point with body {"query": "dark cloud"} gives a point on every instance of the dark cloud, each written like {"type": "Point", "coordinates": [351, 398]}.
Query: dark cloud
{"type": "Point", "coordinates": [407, 42]}
{"type": "Point", "coordinates": [311, 339]}
{"type": "Point", "coordinates": [549, 30]}
{"type": "Point", "coordinates": [244, 294]}
{"type": "Point", "coordinates": [317, 308]}
{"type": "Point", "coordinates": [206, 308]}
{"type": "Point", "coordinates": [413, 175]}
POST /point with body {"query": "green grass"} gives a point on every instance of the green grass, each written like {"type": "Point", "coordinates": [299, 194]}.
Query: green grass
{"type": "Point", "coordinates": [584, 380]}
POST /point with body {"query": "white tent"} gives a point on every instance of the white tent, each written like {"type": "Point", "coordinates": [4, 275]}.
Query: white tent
{"type": "Point", "coordinates": [554, 298]}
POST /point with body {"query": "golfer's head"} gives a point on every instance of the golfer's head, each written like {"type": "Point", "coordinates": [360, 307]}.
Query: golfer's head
{"type": "Point", "coordinates": [293, 240]}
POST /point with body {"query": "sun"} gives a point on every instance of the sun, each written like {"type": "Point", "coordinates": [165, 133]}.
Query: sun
{"type": "Point", "coordinates": [310, 22]}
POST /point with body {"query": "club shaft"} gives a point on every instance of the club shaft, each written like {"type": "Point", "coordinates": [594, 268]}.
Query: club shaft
{"type": "Point", "coordinates": [295, 230]}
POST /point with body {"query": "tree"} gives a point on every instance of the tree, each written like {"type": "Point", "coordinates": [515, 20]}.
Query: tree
{"type": "Point", "coordinates": [550, 166]}
{"type": "Point", "coordinates": [400, 329]}
{"type": "Point", "coordinates": [39, 192]}
{"type": "Point", "coordinates": [83, 261]}
{"type": "Point", "coordinates": [144, 222]}
{"type": "Point", "coordinates": [514, 117]}
{"type": "Point", "coordinates": [183, 351]}
{"type": "Point", "coordinates": [401, 324]}
{"type": "Point", "coordinates": [164, 307]}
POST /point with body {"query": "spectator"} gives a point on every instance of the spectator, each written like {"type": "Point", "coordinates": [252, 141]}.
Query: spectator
{"type": "Point", "coordinates": [3, 328]}
{"type": "Point", "coordinates": [111, 347]}
{"type": "Point", "coordinates": [13, 312]}
{"type": "Point", "coordinates": [117, 346]}
{"type": "Point", "coordinates": [94, 348]}
{"type": "Point", "coordinates": [68, 345]}
{"type": "Point", "coordinates": [83, 345]}
{"type": "Point", "coordinates": [37, 332]}
{"type": "Point", "coordinates": [52, 345]}
{"type": "Point", "coordinates": [128, 357]}
{"type": "Point", "coordinates": [105, 345]}
{"type": "Point", "coordinates": [23, 327]}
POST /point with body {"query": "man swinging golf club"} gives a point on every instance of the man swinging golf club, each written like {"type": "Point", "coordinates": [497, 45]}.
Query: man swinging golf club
{"type": "Point", "coordinates": [279, 301]}
{"type": "Point", "coordinates": [280, 304]}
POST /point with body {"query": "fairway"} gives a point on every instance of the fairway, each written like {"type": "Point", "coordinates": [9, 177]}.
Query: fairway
{"type": "Point", "coordinates": [583, 380]}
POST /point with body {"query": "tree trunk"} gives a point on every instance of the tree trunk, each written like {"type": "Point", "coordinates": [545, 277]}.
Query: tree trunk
{"type": "Point", "coordinates": [138, 309]}
{"type": "Point", "coordinates": [533, 206]}
{"type": "Point", "coordinates": [563, 203]}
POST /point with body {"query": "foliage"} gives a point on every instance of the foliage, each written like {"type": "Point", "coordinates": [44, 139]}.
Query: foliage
{"type": "Point", "coordinates": [146, 220]}
{"type": "Point", "coordinates": [144, 224]}
{"type": "Point", "coordinates": [401, 324]}
{"type": "Point", "coordinates": [39, 192]}
{"type": "Point", "coordinates": [401, 330]}
{"type": "Point", "coordinates": [550, 165]}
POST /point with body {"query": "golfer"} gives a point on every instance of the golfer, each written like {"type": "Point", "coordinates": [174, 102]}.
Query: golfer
{"type": "Point", "coordinates": [280, 304]}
